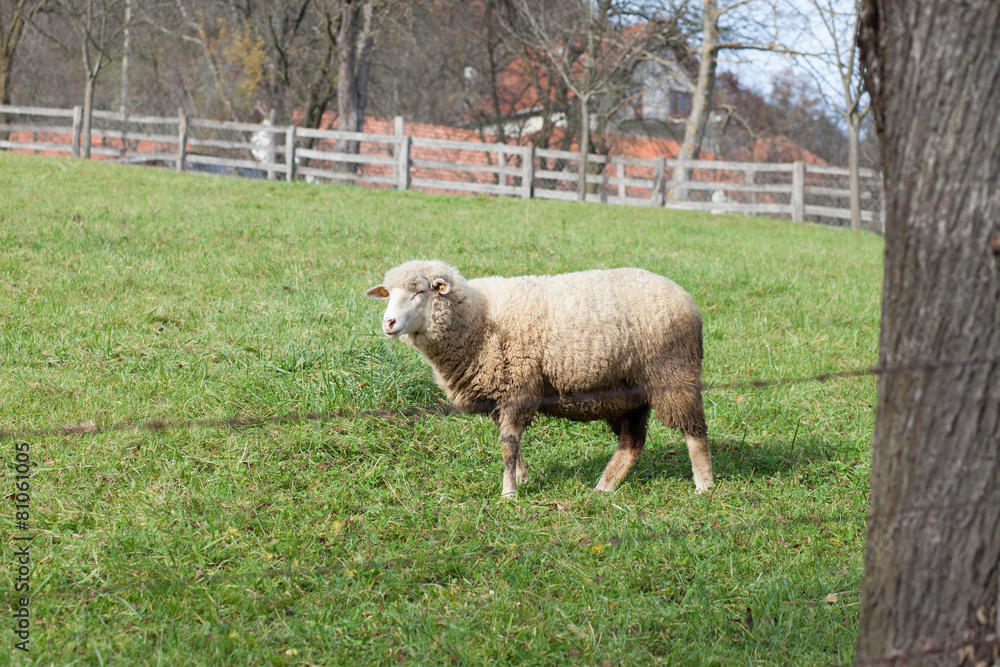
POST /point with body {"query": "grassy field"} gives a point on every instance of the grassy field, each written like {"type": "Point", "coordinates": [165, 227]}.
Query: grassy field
{"type": "Point", "coordinates": [133, 295]}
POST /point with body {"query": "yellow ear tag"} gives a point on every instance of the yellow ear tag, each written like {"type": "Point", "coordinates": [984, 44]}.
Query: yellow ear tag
{"type": "Point", "coordinates": [383, 292]}
{"type": "Point", "coordinates": [442, 288]}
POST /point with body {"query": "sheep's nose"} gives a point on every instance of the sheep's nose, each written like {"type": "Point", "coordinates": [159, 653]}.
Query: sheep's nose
{"type": "Point", "coordinates": [389, 324]}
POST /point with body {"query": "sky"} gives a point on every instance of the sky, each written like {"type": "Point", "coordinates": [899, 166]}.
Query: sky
{"type": "Point", "coordinates": [802, 29]}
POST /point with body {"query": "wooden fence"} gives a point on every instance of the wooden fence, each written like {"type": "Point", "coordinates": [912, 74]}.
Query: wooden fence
{"type": "Point", "coordinates": [394, 159]}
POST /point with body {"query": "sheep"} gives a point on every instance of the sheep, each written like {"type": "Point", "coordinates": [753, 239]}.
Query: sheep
{"type": "Point", "coordinates": [594, 345]}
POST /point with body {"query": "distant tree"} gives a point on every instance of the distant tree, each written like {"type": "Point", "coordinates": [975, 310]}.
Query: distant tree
{"type": "Point", "coordinates": [434, 59]}
{"type": "Point", "coordinates": [798, 111]}
{"type": "Point", "coordinates": [123, 97]}
{"type": "Point", "coordinates": [839, 21]}
{"type": "Point", "coordinates": [735, 26]}
{"type": "Point", "coordinates": [750, 124]}
{"type": "Point", "coordinates": [591, 46]}
{"type": "Point", "coordinates": [300, 42]}
{"type": "Point", "coordinates": [97, 27]}
{"type": "Point", "coordinates": [197, 26]}
{"type": "Point", "coordinates": [522, 84]}
{"type": "Point", "coordinates": [488, 99]}
{"type": "Point", "coordinates": [14, 17]}
{"type": "Point", "coordinates": [355, 38]}
{"type": "Point", "coordinates": [932, 560]}
{"type": "Point", "coordinates": [291, 56]}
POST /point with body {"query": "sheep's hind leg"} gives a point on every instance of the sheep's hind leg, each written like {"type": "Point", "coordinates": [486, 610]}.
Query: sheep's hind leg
{"type": "Point", "coordinates": [631, 431]}
{"type": "Point", "coordinates": [701, 460]}
{"type": "Point", "coordinates": [684, 410]}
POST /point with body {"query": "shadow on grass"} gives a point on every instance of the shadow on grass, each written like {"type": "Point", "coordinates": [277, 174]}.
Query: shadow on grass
{"type": "Point", "coordinates": [731, 459]}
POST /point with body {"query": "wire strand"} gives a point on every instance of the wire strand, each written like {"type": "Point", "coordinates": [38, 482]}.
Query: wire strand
{"type": "Point", "coordinates": [91, 427]}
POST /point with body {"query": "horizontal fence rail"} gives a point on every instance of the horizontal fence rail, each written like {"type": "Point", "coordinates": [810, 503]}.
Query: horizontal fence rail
{"type": "Point", "coordinates": [401, 161]}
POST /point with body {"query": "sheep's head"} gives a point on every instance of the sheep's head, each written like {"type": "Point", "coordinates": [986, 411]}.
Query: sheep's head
{"type": "Point", "coordinates": [411, 290]}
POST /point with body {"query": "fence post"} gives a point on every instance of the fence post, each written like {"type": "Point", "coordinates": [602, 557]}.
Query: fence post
{"type": "Point", "coordinates": [182, 135]}
{"type": "Point", "coordinates": [501, 163]}
{"type": "Point", "coordinates": [77, 121]}
{"type": "Point", "coordinates": [402, 156]}
{"type": "Point", "coordinates": [659, 175]}
{"type": "Point", "coordinates": [290, 154]}
{"type": "Point", "coordinates": [272, 154]}
{"type": "Point", "coordinates": [272, 150]}
{"type": "Point", "coordinates": [620, 172]}
{"type": "Point", "coordinates": [528, 175]}
{"type": "Point", "coordinates": [798, 191]}
{"type": "Point", "coordinates": [750, 178]}
{"type": "Point", "coordinates": [124, 119]}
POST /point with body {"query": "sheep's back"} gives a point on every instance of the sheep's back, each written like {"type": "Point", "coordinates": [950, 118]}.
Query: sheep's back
{"type": "Point", "coordinates": [598, 330]}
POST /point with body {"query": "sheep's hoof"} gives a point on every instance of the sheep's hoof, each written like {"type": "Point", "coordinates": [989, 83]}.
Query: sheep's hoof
{"type": "Point", "coordinates": [603, 488]}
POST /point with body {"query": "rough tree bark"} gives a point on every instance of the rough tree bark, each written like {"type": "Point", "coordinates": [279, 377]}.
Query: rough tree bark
{"type": "Point", "coordinates": [932, 563]}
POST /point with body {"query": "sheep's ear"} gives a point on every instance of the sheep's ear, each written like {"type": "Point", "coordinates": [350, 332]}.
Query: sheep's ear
{"type": "Point", "coordinates": [377, 292]}
{"type": "Point", "coordinates": [440, 285]}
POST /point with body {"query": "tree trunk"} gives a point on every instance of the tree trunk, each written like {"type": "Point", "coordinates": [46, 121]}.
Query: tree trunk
{"type": "Point", "coordinates": [354, 43]}
{"type": "Point", "coordinates": [8, 46]}
{"type": "Point", "coordinates": [581, 170]}
{"type": "Point", "coordinates": [88, 112]}
{"type": "Point", "coordinates": [126, 57]}
{"type": "Point", "coordinates": [932, 563]}
{"type": "Point", "coordinates": [854, 181]}
{"type": "Point", "coordinates": [4, 76]}
{"type": "Point", "coordinates": [320, 92]}
{"type": "Point", "coordinates": [701, 104]}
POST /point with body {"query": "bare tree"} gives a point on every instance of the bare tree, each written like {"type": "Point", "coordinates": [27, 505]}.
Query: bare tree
{"type": "Point", "coordinates": [313, 54]}
{"type": "Point", "coordinates": [301, 41]}
{"type": "Point", "coordinates": [486, 100]}
{"type": "Point", "coordinates": [320, 50]}
{"type": "Point", "coordinates": [126, 58]}
{"type": "Point", "coordinates": [839, 20]}
{"type": "Point", "coordinates": [194, 25]}
{"type": "Point", "coordinates": [932, 562]}
{"type": "Point", "coordinates": [303, 48]}
{"type": "Point", "coordinates": [589, 46]}
{"type": "Point", "coordinates": [14, 16]}
{"type": "Point", "coordinates": [354, 45]}
{"type": "Point", "coordinates": [97, 26]}
{"type": "Point", "coordinates": [736, 26]}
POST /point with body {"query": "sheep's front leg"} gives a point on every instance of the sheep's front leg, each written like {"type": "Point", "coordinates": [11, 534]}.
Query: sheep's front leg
{"type": "Point", "coordinates": [511, 428]}
{"type": "Point", "coordinates": [513, 463]}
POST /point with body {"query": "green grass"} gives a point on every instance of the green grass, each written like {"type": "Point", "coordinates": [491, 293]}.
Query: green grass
{"type": "Point", "coordinates": [131, 295]}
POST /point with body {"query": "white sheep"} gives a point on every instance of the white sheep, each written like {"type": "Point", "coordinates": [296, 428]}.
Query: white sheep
{"type": "Point", "coordinates": [593, 345]}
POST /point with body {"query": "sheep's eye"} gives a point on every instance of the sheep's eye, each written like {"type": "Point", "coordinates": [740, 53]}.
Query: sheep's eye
{"type": "Point", "coordinates": [418, 293]}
